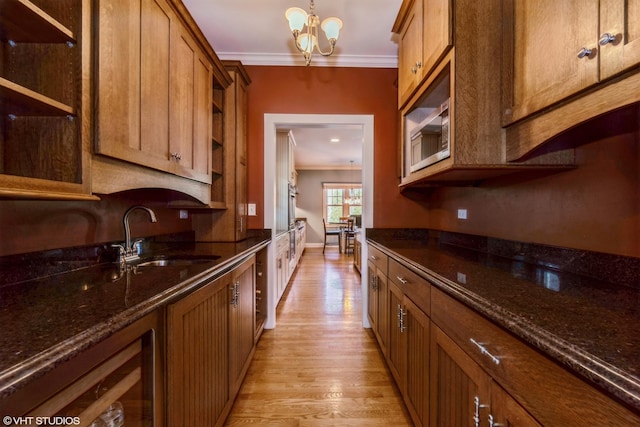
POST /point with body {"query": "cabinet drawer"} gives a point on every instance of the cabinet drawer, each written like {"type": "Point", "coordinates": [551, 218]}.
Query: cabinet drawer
{"type": "Point", "coordinates": [415, 287]}
{"type": "Point", "coordinates": [282, 242]}
{"type": "Point", "coordinates": [379, 259]}
{"type": "Point", "coordinates": [553, 395]}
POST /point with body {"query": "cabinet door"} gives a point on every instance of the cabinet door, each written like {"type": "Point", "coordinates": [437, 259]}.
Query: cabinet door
{"type": "Point", "coordinates": [620, 19]}
{"type": "Point", "coordinates": [384, 322]}
{"type": "Point", "coordinates": [189, 109]}
{"type": "Point", "coordinates": [460, 389]}
{"type": "Point", "coordinates": [372, 299]}
{"type": "Point", "coordinates": [397, 337]}
{"type": "Point", "coordinates": [416, 393]}
{"type": "Point", "coordinates": [505, 411]}
{"type": "Point", "coordinates": [241, 322]}
{"type": "Point", "coordinates": [133, 81]}
{"type": "Point", "coordinates": [547, 37]}
{"type": "Point", "coordinates": [197, 356]}
{"type": "Point", "coordinates": [410, 52]}
{"type": "Point", "coordinates": [436, 37]}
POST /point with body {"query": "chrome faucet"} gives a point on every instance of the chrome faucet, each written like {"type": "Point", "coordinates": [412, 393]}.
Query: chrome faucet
{"type": "Point", "coordinates": [130, 251]}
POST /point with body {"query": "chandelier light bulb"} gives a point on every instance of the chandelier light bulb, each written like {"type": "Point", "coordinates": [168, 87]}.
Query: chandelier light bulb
{"type": "Point", "coordinates": [297, 18]}
{"type": "Point", "coordinates": [331, 27]}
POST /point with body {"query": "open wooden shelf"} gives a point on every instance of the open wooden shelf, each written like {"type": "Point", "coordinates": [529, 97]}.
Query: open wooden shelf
{"type": "Point", "coordinates": [19, 100]}
{"type": "Point", "coordinates": [22, 21]}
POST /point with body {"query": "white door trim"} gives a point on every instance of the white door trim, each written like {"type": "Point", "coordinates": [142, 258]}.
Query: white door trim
{"type": "Point", "coordinates": [272, 122]}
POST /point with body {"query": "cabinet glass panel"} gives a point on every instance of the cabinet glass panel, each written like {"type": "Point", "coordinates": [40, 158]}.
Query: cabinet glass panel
{"type": "Point", "coordinates": [118, 392]}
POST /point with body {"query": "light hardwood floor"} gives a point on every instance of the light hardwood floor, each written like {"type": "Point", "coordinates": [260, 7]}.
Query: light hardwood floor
{"type": "Point", "coordinates": [319, 366]}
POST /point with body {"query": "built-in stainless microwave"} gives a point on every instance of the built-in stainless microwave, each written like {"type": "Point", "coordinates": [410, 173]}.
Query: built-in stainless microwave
{"type": "Point", "coordinates": [430, 139]}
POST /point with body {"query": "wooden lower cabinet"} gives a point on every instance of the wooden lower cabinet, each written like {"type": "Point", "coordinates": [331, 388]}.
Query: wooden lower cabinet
{"type": "Point", "coordinates": [377, 304]}
{"type": "Point", "coordinates": [463, 394]}
{"type": "Point", "coordinates": [416, 327]}
{"type": "Point", "coordinates": [408, 352]}
{"type": "Point", "coordinates": [241, 322]}
{"type": "Point", "coordinates": [396, 344]}
{"type": "Point", "coordinates": [197, 356]}
{"type": "Point", "coordinates": [210, 340]}
{"type": "Point", "coordinates": [454, 367]}
{"type": "Point", "coordinates": [118, 377]}
{"type": "Point", "coordinates": [505, 411]}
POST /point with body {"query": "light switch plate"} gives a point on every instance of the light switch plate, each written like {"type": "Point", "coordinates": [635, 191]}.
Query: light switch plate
{"type": "Point", "coordinates": [462, 214]}
{"type": "Point", "coordinates": [184, 214]}
{"type": "Point", "coordinates": [252, 209]}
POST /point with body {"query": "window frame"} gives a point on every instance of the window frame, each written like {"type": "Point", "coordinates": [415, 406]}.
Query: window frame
{"type": "Point", "coordinates": [346, 207]}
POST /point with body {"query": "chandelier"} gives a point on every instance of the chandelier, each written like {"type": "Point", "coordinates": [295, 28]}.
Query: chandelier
{"type": "Point", "coordinates": [354, 195]}
{"type": "Point", "coordinates": [308, 41]}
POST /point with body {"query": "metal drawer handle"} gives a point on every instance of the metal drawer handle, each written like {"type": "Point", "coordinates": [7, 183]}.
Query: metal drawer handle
{"type": "Point", "coordinates": [402, 280]}
{"type": "Point", "coordinates": [373, 258]}
{"type": "Point", "coordinates": [484, 351]}
{"type": "Point", "coordinates": [606, 38]}
{"type": "Point", "coordinates": [584, 52]}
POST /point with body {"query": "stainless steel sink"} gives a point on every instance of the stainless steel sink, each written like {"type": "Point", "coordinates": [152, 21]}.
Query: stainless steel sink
{"type": "Point", "coordinates": [168, 261]}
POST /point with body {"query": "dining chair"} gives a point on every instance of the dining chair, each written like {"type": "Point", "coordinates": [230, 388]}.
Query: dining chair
{"type": "Point", "coordinates": [350, 235]}
{"type": "Point", "coordinates": [331, 233]}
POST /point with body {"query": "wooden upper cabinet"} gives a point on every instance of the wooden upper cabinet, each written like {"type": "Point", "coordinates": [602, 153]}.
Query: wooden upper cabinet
{"type": "Point", "coordinates": [557, 51]}
{"type": "Point", "coordinates": [133, 76]}
{"type": "Point", "coordinates": [45, 99]}
{"type": "Point", "coordinates": [548, 66]}
{"type": "Point", "coordinates": [410, 52]}
{"type": "Point", "coordinates": [424, 28]}
{"type": "Point", "coordinates": [619, 19]}
{"type": "Point", "coordinates": [153, 89]}
{"type": "Point", "coordinates": [190, 109]}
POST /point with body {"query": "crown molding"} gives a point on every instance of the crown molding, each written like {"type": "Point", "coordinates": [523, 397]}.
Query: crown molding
{"type": "Point", "coordinates": [358, 61]}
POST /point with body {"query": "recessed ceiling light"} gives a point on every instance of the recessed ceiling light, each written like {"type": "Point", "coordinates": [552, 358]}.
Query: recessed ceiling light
{"type": "Point", "coordinates": [334, 140]}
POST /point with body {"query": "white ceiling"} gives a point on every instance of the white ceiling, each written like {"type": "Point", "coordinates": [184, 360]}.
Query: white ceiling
{"type": "Point", "coordinates": [256, 32]}
{"type": "Point", "coordinates": [316, 150]}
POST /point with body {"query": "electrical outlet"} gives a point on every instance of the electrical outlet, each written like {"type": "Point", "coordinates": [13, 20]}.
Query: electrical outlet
{"type": "Point", "coordinates": [252, 209]}
{"type": "Point", "coordinates": [184, 214]}
{"type": "Point", "coordinates": [462, 214]}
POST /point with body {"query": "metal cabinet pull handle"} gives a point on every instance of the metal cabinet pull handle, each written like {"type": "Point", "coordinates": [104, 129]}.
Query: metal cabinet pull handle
{"type": "Point", "coordinates": [402, 280]}
{"type": "Point", "coordinates": [484, 351]}
{"type": "Point", "coordinates": [493, 423]}
{"type": "Point", "coordinates": [476, 413]}
{"type": "Point", "coordinates": [606, 38]}
{"type": "Point", "coordinates": [584, 52]}
{"type": "Point", "coordinates": [373, 258]}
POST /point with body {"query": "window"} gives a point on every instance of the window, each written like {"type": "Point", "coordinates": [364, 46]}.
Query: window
{"type": "Point", "coordinates": [341, 200]}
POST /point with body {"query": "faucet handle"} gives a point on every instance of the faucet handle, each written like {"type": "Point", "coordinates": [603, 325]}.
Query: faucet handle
{"type": "Point", "coordinates": [135, 247]}
{"type": "Point", "coordinates": [121, 252]}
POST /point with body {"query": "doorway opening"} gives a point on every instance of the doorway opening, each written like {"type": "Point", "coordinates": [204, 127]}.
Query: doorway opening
{"type": "Point", "coordinates": [274, 122]}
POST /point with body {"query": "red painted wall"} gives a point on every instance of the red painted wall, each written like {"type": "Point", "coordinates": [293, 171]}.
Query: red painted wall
{"type": "Point", "coordinates": [33, 225]}
{"type": "Point", "coordinates": [594, 207]}
{"type": "Point", "coordinates": [324, 90]}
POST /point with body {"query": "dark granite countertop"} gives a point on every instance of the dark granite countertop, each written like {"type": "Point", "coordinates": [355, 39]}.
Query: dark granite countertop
{"type": "Point", "coordinates": [49, 320]}
{"type": "Point", "coordinates": [588, 325]}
